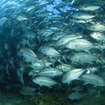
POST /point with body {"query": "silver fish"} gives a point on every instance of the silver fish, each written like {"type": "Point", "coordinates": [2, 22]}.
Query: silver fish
{"type": "Point", "coordinates": [56, 18]}
{"type": "Point", "coordinates": [79, 45]}
{"type": "Point", "coordinates": [65, 39]}
{"type": "Point", "coordinates": [49, 52]}
{"type": "Point", "coordinates": [82, 15]}
{"type": "Point", "coordinates": [3, 21]}
{"type": "Point", "coordinates": [83, 58]}
{"type": "Point", "coordinates": [64, 67]}
{"type": "Point", "coordinates": [50, 72]}
{"type": "Point", "coordinates": [28, 54]}
{"type": "Point", "coordinates": [22, 18]}
{"type": "Point", "coordinates": [27, 91]}
{"type": "Point", "coordinates": [96, 27]}
{"type": "Point", "coordinates": [88, 7]}
{"type": "Point", "coordinates": [44, 81]}
{"type": "Point", "coordinates": [100, 37]}
{"type": "Point", "coordinates": [93, 79]}
{"type": "Point", "coordinates": [72, 75]}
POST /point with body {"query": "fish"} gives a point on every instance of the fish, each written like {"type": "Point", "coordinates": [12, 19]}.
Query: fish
{"type": "Point", "coordinates": [82, 15]}
{"type": "Point", "coordinates": [43, 3]}
{"type": "Point", "coordinates": [37, 65]}
{"type": "Point", "coordinates": [56, 18]}
{"type": "Point", "coordinates": [65, 39]}
{"type": "Point", "coordinates": [73, 2]}
{"type": "Point", "coordinates": [71, 75]}
{"type": "Point", "coordinates": [93, 79]}
{"type": "Point", "coordinates": [3, 21]}
{"type": "Point", "coordinates": [92, 70]}
{"type": "Point", "coordinates": [96, 27]}
{"type": "Point", "coordinates": [44, 81]}
{"type": "Point", "coordinates": [57, 35]}
{"type": "Point", "coordinates": [60, 5]}
{"type": "Point", "coordinates": [50, 72]}
{"type": "Point", "coordinates": [88, 7]}
{"type": "Point", "coordinates": [83, 58]}
{"type": "Point", "coordinates": [98, 36]}
{"type": "Point", "coordinates": [75, 96]}
{"type": "Point", "coordinates": [27, 91]}
{"type": "Point", "coordinates": [29, 9]}
{"type": "Point", "coordinates": [29, 35]}
{"type": "Point", "coordinates": [27, 54]}
{"type": "Point", "coordinates": [78, 21]}
{"type": "Point", "coordinates": [22, 18]}
{"type": "Point", "coordinates": [64, 67]}
{"type": "Point", "coordinates": [66, 11]}
{"type": "Point", "coordinates": [49, 52]}
{"type": "Point", "coordinates": [45, 34]}
{"type": "Point", "coordinates": [43, 15]}
{"type": "Point", "coordinates": [19, 73]}
{"type": "Point", "coordinates": [40, 64]}
{"type": "Point", "coordinates": [79, 45]}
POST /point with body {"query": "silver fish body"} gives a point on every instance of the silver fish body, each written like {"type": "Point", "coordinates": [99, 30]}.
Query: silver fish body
{"type": "Point", "coordinates": [82, 15]}
{"type": "Point", "coordinates": [44, 81]}
{"type": "Point", "coordinates": [50, 72]}
{"type": "Point", "coordinates": [100, 37]}
{"type": "Point", "coordinates": [83, 58]}
{"type": "Point", "coordinates": [74, 74]}
{"type": "Point", "coordinates": [87, 7]}
{"type": "Point", "coordinates": [65, 39]}
{"type": "Point", "coordinates": [93, 79]}
{"type": "Point", "coordinates": [79, 45]}
{"type": "Point", "coordinates": [49, 52]}
{"type": "Point", "coordinates": [28, 54]}
{"type": "Point", "coordinates": [64, 67]}
{"type": "Point", "coordinates": [96, 27]}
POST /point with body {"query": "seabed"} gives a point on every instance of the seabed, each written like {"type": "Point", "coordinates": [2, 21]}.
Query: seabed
{"type": "Point", "coordinates": [48, 98]}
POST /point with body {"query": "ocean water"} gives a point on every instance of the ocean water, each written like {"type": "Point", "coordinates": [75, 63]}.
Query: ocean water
{"type": "Point", "coordinates": [52, 52]}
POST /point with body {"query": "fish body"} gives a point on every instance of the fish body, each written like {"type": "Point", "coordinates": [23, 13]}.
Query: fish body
{"type": "Point", "coordinates": [79, 45]}
{"type": "Point", "coordinates": [83, 58]}
{"type": "Point", "coordinates": [78, 21]}
{"type": "Point", "coordinates": [50, 72]}
{"type": "Point", "coordinates": [82, 15]}
{"type": "Point", "coordinates": [57, 35]}
{"type": "Point", "coordinates": [89, 7]}
{"type": "Point", "coordinates": [64, 67]}
{"type": "Point", "coordinates": [100, 37]}
{"type": "Point", "coordinates": [65, 39]}
{"type": "Point", "coordinates": [22, 18]}
{"type": "Point", "coordinates": [27, 91]}
{"type": "Point", "coordinates": [56, 18]}
{"type": "Point", "coordinates": [44, 81]}
{"type": "Point", "coordinates": [3, 21]}
{"type": "Point", "coordinates": [49, 52]}
{"type": "Point", "coordinates": [96, 27]}
{"type": "Point", "coordinates": [28, 54]}
{"type": "Point", "coordinates": [93, 79]}
{"type": "Point", "coordinates": [75, 96]}
{"type": "Point", "coordinates": [92, 70]}
{"type": "Point", "coordinates": [74, 74]}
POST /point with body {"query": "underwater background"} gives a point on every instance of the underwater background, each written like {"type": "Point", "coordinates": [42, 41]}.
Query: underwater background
{"type": "Point", "coordinates": [52, 52]}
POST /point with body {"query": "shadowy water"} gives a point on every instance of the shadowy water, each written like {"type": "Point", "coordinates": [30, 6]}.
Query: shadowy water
{"type": "Point", "coordinates": [48, 98]}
